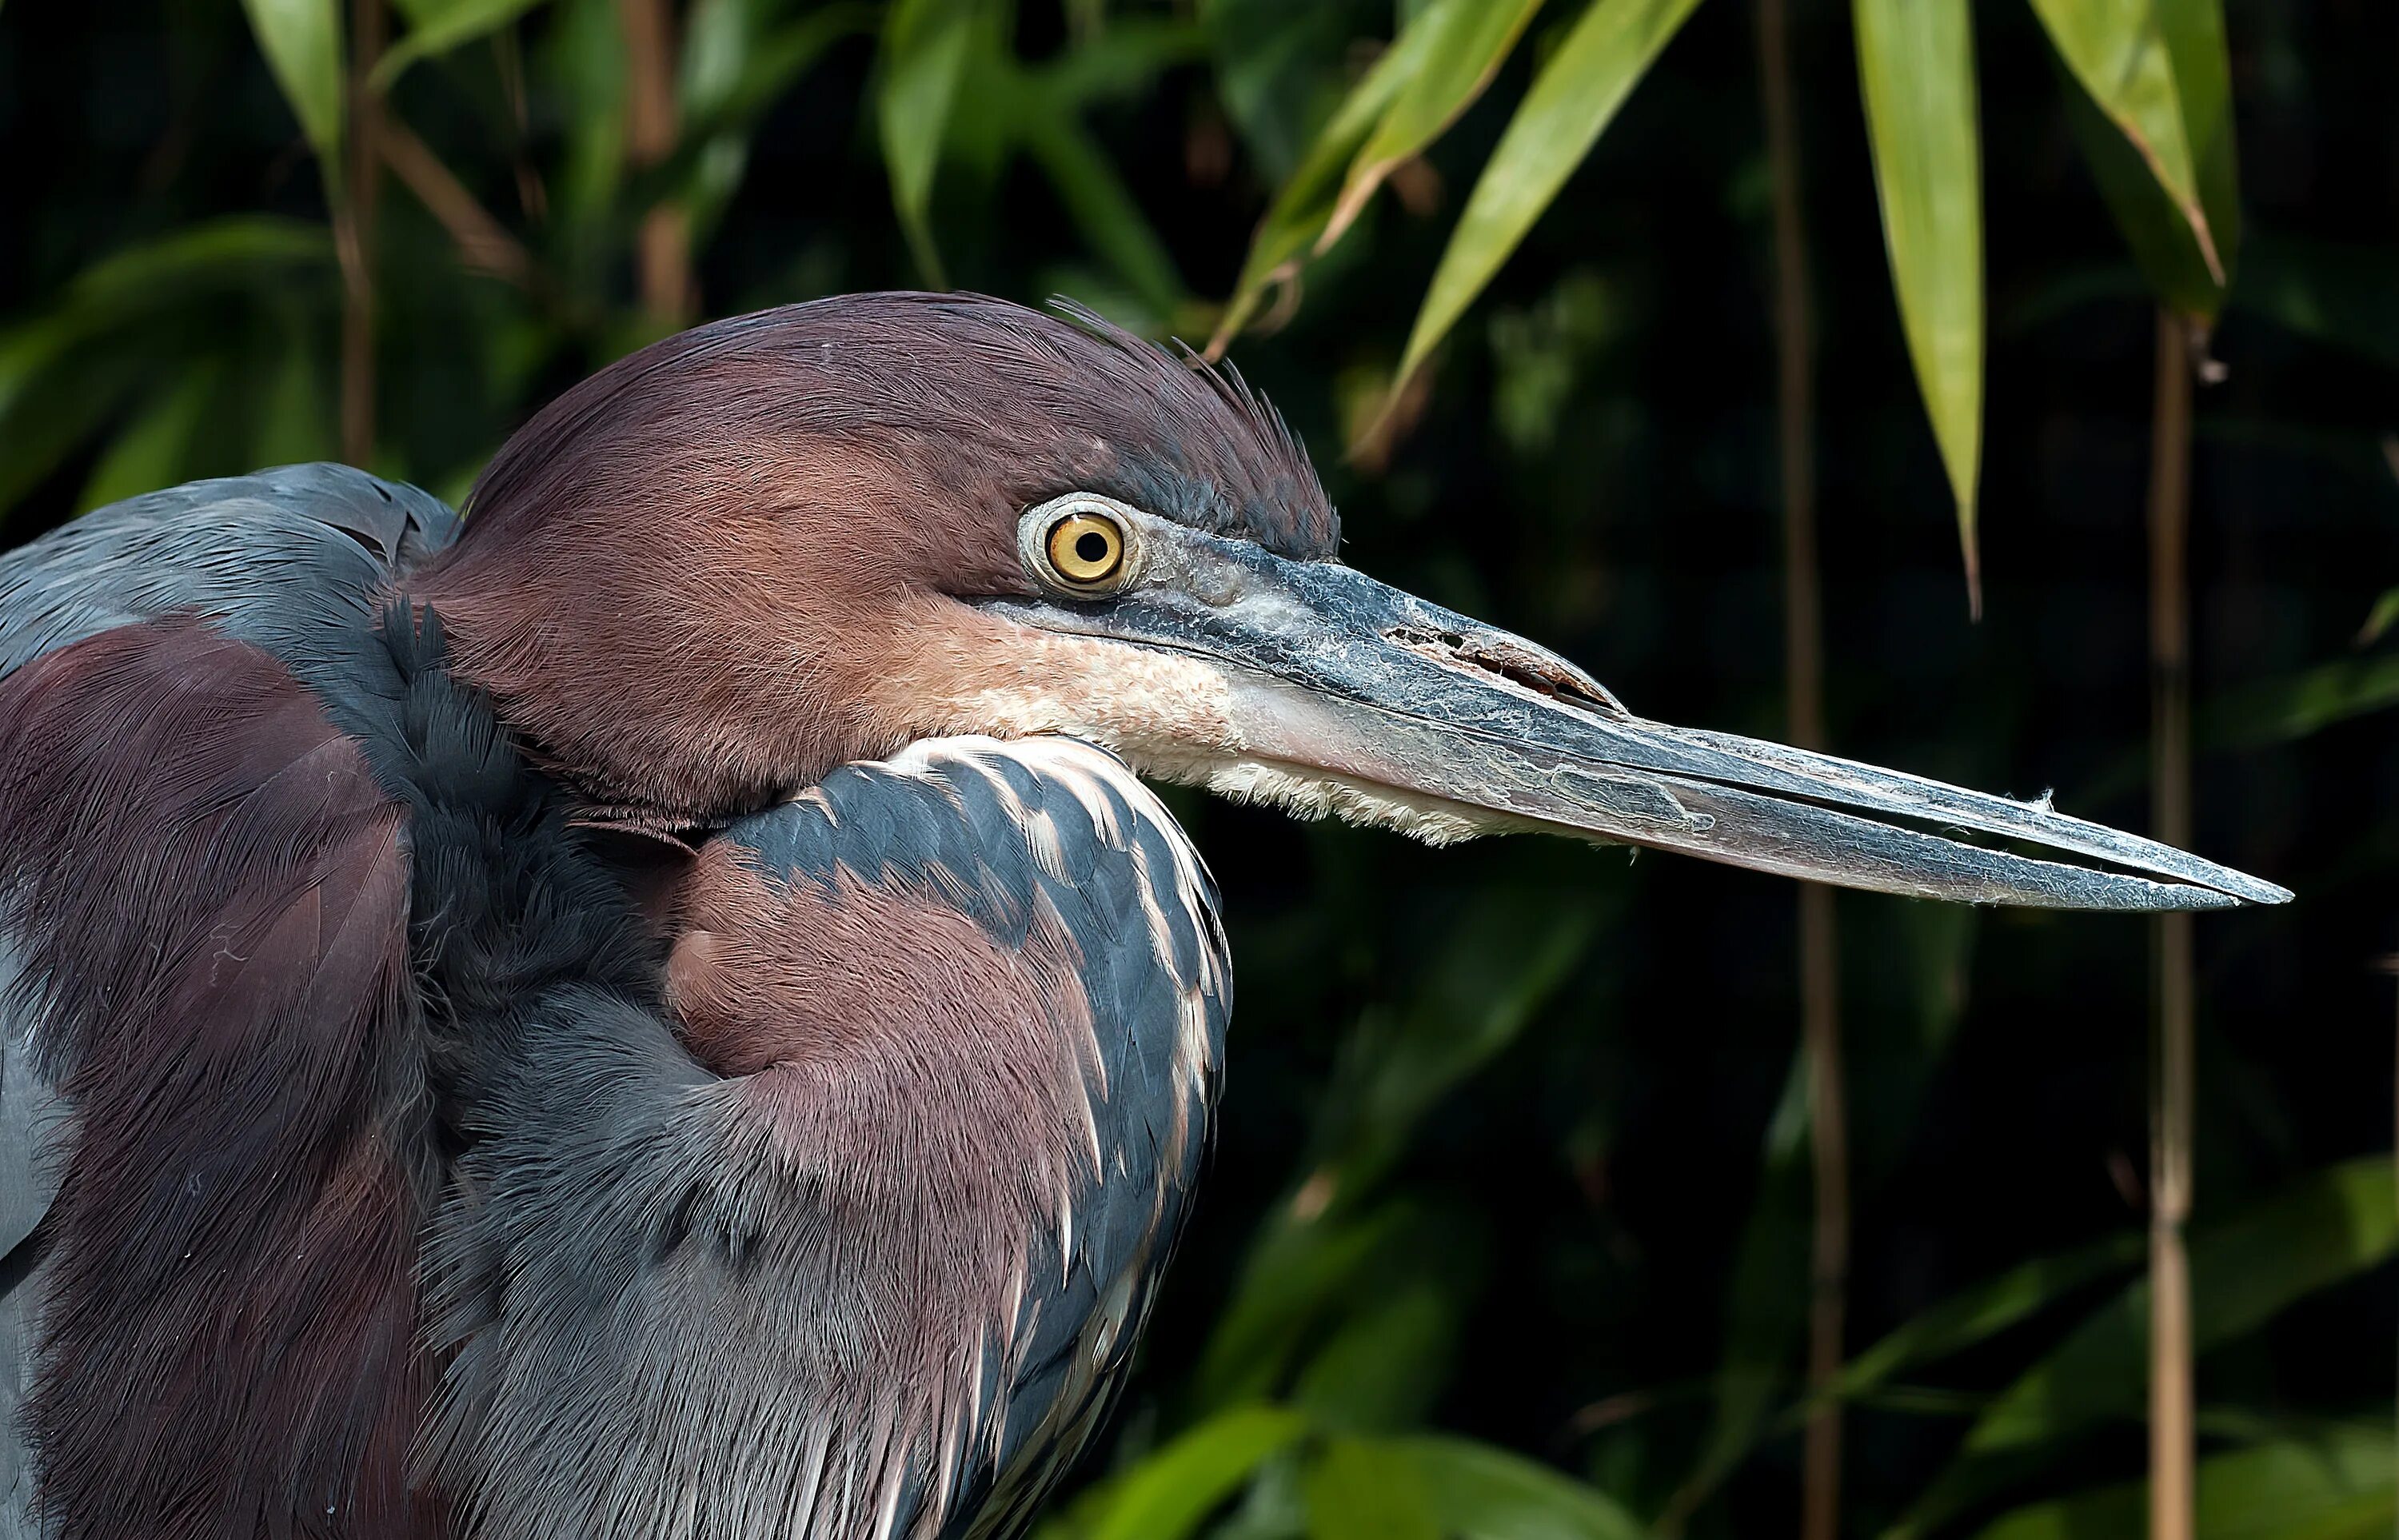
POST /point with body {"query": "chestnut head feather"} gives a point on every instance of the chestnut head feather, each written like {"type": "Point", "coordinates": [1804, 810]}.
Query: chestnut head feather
{"type": "Point", "coordinates": [690, 580]}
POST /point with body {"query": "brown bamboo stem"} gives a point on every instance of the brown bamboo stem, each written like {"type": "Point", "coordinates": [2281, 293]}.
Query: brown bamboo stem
{"type": "Point", "coordinates": [1820, 1005]}
{"type": "Point", "coordinates": [663, 246]}
{"type": "Point", "coordinates": [354, 233]}
{"type": "Point", "coordinates": [484, 245]}
{"type": "Point", "coordinates": [2173, 1498]}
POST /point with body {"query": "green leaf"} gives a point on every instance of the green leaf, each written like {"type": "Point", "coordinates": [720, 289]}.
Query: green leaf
{"type": "Point", "coordinates": [2157, 70]}
{"type": "Point", "coordinates": [1294, 1270]}
{"type": "Point", "coordinates": [1915, 70]}
{"type": "Point", "coordinates": [2336, 1486]}
{"type": "Point", "coordinates": [1474, 998]}
{"type": "Point", "coordinates": [295, 414]}
{"type": "Point", "coordinates": [1766, 1296]}
{"type": "Point", "coordinates": [2321, 1230]}
{"type": "Point", "coordinates": [1478, 1492]}
{"type": "Point", "coordinates": [1574, 97]}
{"type": "Point", "coordinates": [1118, 65]}
{"type": "Point", "coordinates": [584, 60]}
{"type": "Point", "coordinates": [1104, 209]}
{"type": "Point", "coordinates": [1360, 1490]}
{"type": "Point", "coordinates": [48, 424]}
{"type": "Point", "coordinates": [1471, 1000]}
{"type": "Point", "coordinates": [1466, 43]}
{"type": "Point", "coordinates": [1304, 205]}
{"type": "Point", "coordinates": [735, 65]}
{"type": "Point", "coordinates": [2342, 296]}
{"type": "Point", "coordinates": [1977, 1314]}
{"type": "Point", "coordinates": [2184, 271]}
{"type": "Point", "coordinates": [65, 371]}
{"type": "Point", "coordinates": [2379, 619]}
{"type": "Point", "coordinates": [302, 40]}
{"type": "Point", "coordinates": [2194, 32]}
{"type": "Point", "coordinates": [1167, 1496]}
{"type": "Point", "coordinates": [154, 450]}
{"type": "Point", "coordinates": [925, 45]}
{"type": "Point", "coordinates": [1278, 71]}
{"type": "Point", "coordinates": [2284, 709]}
{"type": "Point", "coordinates": [1387, 1359]}
{"type": "Point", "coordinates": [1924, 951]}
{"type": "Point", "coordinates": [435, 27]}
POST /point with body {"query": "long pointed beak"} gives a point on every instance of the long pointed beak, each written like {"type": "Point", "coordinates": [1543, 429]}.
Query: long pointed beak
{"type": "Point", "coordinates": [1334, 675]}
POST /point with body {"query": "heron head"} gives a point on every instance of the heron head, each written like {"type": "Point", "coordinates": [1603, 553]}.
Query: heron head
{"type": "Point", "coordinates": [758, 550]}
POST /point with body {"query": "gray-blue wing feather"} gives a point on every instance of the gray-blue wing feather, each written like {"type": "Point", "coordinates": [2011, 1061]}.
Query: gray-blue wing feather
{"type": "Point", "coordinates": [1012, 830]}
{"type": "Point", "coordinates": [759, 1253]}
{"type": "Point", "coordinates": [283, 559]}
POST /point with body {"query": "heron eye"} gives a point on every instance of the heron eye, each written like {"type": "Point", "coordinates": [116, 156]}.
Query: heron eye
{"type": "Point", "coordinates": [1085, 549]}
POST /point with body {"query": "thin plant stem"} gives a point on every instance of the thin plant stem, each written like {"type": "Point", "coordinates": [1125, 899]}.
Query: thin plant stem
{"type": "Point", "coordinates": [2171, 1452]}
{"type": "Point", "coordinates": [663, 248]}
{"type": "Point", "coordinates": [1820, 1002]}
{"type": "Point", "coordinates": [484, 245]}
{"type": "Point", "coordinates": [354, 233]}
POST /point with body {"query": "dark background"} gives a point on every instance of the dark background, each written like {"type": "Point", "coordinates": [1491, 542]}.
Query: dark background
{"type": "Point", "coordinates": [1561, 1239]}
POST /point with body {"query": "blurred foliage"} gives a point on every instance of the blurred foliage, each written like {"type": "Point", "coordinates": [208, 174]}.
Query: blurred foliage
{"type": "Point", "coordinates": [1507, 1232]}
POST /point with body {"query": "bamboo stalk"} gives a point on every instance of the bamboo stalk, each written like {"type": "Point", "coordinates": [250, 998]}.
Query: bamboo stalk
{"type": "Point", "coordinates": [663, 248]}
{"type": "Point", "coordinates": [484, 245]}
{"type": "Point", "coordinates": [1820, 1002]}
{"type": "Point", "coordinates": [354, 234]}
{"type": "Point", "coordinates": [2173, 1498]}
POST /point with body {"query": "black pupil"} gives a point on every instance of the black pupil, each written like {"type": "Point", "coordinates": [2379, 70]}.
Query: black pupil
{"type": "Point", "coordinates": [1093, 547]}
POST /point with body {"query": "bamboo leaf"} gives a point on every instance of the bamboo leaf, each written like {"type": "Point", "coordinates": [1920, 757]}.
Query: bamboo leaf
{"type": "Point", "coordinates": [1118, 65]}
{"type": "Point", "coordinates": [302, 40]}
{"type": "Point", "coordinates": [1294, 1272]}
{"type": "Point", "coordinates": [1304, 204]}
{"type": "Point", "coordinates": [2156, 69]}
{"type": "Point", "coordinates": [1362, 1490]}
{"type": "Point", "coordinates": [1104, 209]}
{"type": "Point", "coordinates": [2379, 619]}
{"type": "Point", "coordinates": [2338, 295]}
{"type": "Point", "coordinates": [1915, 70]}
{"type": "Point", "coordinates": [1388, 1356]}
{"type": "Point", "coordinates": [436, 27]}
{"type": "Point", "coordinates": [1479, 1492]}
{"type": "Point", "coordinates": [925, 45]}
{"type": "Point", "coordinates": [1979, 1313]}
{"type": "Point", "coordinates": [1766, 1297]}
{"type": "Point", "coordinates": [2321, 1230]}
{"type": "Point", "coordinates": [1479, 995]}
{"type": "Point", "coordinates": [294, 422]}
{"type": "Point", "coordinates": [1467, 42]}
{"type": "Point", "coordinates": [2154, 230]}
{"type": "Point", "coordinates": [2336, 1486]}
{"type": "Point", "coordinates": [1573, 99]}
{"type": "Point", "coordinates": [154, 448]}
{"type": "Point", "coordinates": [66, 371]}
{"type": "Point", "coordinates": [735, 65]}
{"type": "Point", "coordinates": [2194, 35]}
{"type": "Point", "coordinates": [2280, 710]}
{"type": "Point", "coordinates": [1167, 1496]}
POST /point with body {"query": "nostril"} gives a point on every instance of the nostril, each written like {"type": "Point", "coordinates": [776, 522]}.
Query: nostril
{"type": "Point", "coordinates": [1502, 657]}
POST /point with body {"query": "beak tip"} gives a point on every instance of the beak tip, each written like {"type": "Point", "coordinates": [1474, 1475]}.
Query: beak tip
{"type": "Point", "coordinates": [2228, 890]}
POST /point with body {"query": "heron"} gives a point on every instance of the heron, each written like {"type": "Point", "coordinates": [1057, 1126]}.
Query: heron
{"type": "Point", "coordinates": [666, 1007]}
